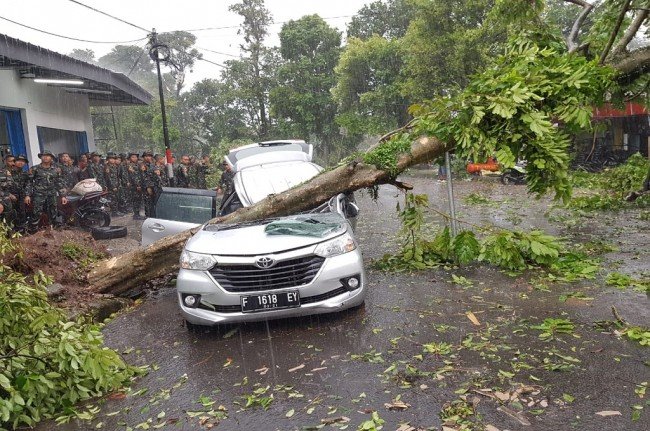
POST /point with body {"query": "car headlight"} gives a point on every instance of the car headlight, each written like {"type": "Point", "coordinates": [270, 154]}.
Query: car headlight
{"type": "Point", "coordinates": [339, 245]}
{"type": "Point", "coordinates": [199, 261]}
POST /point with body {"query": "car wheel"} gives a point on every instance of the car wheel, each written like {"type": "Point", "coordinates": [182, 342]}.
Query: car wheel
{"type": "Point", "coordinates": [109, 232]}
{"type": "Point", "coordinates": [505, 179]}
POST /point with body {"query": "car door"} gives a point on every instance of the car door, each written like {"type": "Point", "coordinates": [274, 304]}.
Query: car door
{"type": "Point", "coordinates": [178, 210]}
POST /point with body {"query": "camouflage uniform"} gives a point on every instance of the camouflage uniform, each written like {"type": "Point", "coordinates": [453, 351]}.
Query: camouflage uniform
{"type": "Point", "coordinates": [111, 173]}
{"type": "Point", "coordinates": [226, 183]}
{"type": "Point", "coordinates": [182, 176]}
{"type": "Point", "coordinates": [97, 172]}
{"type": "Point", "coordinates": [200, 175]}
{"type": "Point", "coordinates": [193, 176]}
{"type": "Point", "coordinates": [135, 183]}
{"type": "Point", "coordinates": [18, 186]}
{"type": "Point", "coordinates": [70, 176]}
{"type": "Point", "coordinates": [124, 190]}
{"type": "Point", "coordinates": [151, 182]}
{"type": "Point", "coordinates": [6, 185]}
{"type": "Point", "coordinates": [44, 186]}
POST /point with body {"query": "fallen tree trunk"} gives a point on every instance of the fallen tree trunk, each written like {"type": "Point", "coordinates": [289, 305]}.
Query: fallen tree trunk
{"type": "Point", "coordinates": [120, 274]}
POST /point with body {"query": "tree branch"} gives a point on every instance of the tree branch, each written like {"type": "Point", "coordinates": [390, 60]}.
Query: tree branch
{"type": "Point", "coordinates": [633, 64]}
{"type": "Point", "coordinates": [617, 27]}
{"type": "Point", "coordinates": [631, 31]}
{"type": "Point", "coordinates": [572, 39]}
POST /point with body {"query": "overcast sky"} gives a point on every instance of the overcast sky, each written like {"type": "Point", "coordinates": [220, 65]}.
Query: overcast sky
{"type": "Point", "coordinates": [67, 18]}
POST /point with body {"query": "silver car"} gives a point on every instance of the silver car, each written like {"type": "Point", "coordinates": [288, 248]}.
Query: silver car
{"type": "Point", "coordinates": [291, 266]}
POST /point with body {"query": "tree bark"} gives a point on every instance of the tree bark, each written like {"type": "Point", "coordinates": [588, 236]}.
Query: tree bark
{"type": "Point", "coordinates": [120, 274]}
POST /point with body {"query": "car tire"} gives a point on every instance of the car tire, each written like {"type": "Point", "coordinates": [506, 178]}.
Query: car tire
{"type": "Point", "coordinates": [109, 232]}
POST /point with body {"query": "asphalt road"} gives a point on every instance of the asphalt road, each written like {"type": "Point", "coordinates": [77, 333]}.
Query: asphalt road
{"type": "Point", "coordinates": [411, 354]}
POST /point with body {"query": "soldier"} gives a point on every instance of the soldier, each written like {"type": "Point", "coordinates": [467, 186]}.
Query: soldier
{"type": "Point", "coordinates": [19, 180]}
{"type": "Point", "coordinates": [193, 174]}
{"type": "Point", "coordinates": [226, 184]}
{"type": "Point", "coordinates": [206, 164]}
{"type": "Point", "coordinates": [84, 169]}
{"type": "Point", "coordinates": [135, 183]}
{"type": "Point", "coordinates": [162, 167]}
{"type": "Point", "coordinates": [182, 172]}
{"type": "Point", "coordinates": [151, 183]}
{"type": "Point", "coordinates": [7, 199]}
{"type": "Point", "coordinates": [43, 188]}
{"type": "Point", "coordinates": [69, 171]}
{"type": "Point", "coordinates": [10, 162]}
{"type": "Point", "coordinates": [124, 191]}
{"type": "Point", "coordinates": [112, 178]}
{"type": "Point", "coordinates": [96, 169]}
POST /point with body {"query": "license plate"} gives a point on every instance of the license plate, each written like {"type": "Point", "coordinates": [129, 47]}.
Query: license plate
{"type": "Point", "coordinates": [269, 301]}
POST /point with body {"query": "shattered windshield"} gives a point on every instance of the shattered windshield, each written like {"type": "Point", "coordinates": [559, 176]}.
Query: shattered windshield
{"type": "Point", "coordinates": [315, 225]}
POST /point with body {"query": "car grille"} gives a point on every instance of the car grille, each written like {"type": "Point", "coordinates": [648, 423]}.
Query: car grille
{"type": "Point", "coordinates": [250, 278]}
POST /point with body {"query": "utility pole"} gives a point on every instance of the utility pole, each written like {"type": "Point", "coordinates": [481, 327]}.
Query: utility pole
{"type": "Point", "coordinates": [155, 56]}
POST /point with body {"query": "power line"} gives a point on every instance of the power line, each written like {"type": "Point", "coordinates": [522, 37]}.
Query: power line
{"type": "Point", "coordinates": [217, 52]}
{"type": "Point", "coordinates": [70, 37]}
{"type": "Point", "coordinates": [108, 15]}
{"type": "Point", "coordinates": [237, 26]}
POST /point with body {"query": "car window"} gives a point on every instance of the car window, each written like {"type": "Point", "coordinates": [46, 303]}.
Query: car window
{"type": "Point", "coordinates": [185, 208]}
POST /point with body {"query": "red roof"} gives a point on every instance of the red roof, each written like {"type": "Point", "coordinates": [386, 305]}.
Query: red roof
{"type": "Point", "coordinates": [608, 111]}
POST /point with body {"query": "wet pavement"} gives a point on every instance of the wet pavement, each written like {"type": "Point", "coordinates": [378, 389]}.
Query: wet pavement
{"type": "Point", "coordinates": [411, 354]}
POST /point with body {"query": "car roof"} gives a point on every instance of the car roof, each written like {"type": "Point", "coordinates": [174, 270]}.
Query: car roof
{"type": "Point", "coordinates": [268, 152]}
{"type": "Point", "coordinates": [257, 182]}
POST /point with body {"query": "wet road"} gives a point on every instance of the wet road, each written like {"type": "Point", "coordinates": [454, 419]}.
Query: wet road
{"type": "Point", "coordinates": [411, 354]}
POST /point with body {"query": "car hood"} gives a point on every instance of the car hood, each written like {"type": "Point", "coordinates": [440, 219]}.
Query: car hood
{"type": "Point", "coordinates": [254, 240]}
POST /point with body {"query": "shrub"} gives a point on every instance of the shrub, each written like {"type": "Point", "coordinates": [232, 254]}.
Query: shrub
{"type": "Point", "coordinates": [47, 363]}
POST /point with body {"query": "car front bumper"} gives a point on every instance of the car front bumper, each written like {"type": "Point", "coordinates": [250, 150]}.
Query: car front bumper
{"type": "Point", "coordinates": [325, 294]}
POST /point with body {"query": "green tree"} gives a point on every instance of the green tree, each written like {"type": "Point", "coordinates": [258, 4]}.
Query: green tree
{"type": "Point", "coordinates": [447, 42]}
{"type": "Point", "coordinates": [302, 101]}
{"type": "Point", "coordinates": [385, 18]}
{"type": "Point", "coordinates": [182, 56]}
{"type": "Point", "coordinates": [368, 88]}
{"type": "Point", "coordinates": [254, 29]}
{"type": "Point", "coordinates": [134, 62]}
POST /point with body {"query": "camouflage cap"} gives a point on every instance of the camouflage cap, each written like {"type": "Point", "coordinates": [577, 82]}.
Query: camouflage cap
{"type": "Point", "coordinates": [22, 157]}
{"type": "Point", "coordinates": [147, 153]}
{"type": "Point", "coordinates": [45, 153]}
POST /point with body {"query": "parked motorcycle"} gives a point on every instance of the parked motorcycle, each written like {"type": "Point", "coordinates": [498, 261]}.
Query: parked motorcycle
{"type": "Point", "coordinates": [514, 175]}
{"type": "Point", "coordinates": [87, 211]}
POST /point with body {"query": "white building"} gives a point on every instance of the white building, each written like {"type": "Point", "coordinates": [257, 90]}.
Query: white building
{"type": "Point", "coordinates": [45, 99]}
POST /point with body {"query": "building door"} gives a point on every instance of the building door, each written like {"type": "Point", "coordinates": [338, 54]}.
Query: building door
{"type": "Point", "coordinates": [12, 139]}
{"type": "Point", "coordinates": [62, 141]}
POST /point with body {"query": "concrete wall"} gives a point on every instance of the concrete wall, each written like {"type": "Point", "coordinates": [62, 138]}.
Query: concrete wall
{"type": "Point", "coordinates": [42, 105]}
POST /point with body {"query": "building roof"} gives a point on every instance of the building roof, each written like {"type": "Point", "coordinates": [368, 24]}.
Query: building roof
{"type": "Point", "coordinates": [103, 86]}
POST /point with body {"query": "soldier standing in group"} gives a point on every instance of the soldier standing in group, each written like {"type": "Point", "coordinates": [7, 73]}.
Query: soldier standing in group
{"type": "Point", "coordinates": [193, 174]}
{"type": "Point", "coordinates": [151, 183]}
{"type": "Point", "coordinates": [69, 172]}
{"type": "Point", "coordinates": [97, 169]}
{"type": "Point", "coordinates": [182, 172]}
{"type": "Point", "coordinates": [135, 181]}
{"type": "Point", "coordinates": [43, 188]}
{"type": "Point", "coordinates": [206, 165]}
{"type": "Point", "coordinates": [7, 198]}
{"type": "Point", "coordinates": [124, 191]}
{"type": "Point", "coordinates": [112, 178]}
{"type": "Point", "coordinates": [226, 183]}
{"type": "Point", "coordinates": [162, 167]}
{"type": "Point", "coordinates": [10, 162]}
{"type": "Point", "coordinates": [18, 185]}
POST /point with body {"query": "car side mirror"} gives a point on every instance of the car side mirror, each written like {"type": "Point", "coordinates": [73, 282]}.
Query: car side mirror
{"type": "Point", "coordinates": [351, 210]}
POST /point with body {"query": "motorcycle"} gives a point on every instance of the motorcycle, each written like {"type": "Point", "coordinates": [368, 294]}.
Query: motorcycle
{"type": "Point", "coordinates": [515, 175]}
{"type": "Point", "coordinates": [87, 211]}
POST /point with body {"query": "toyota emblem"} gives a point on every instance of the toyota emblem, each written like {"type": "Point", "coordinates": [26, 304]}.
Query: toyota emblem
{"type": "Point", "coordinates": [264, 262]}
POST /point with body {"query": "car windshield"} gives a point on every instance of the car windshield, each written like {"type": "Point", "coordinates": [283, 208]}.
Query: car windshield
{"type": "Point", "coordinates": [184, 207]}
{"type": "Point", "coordinates": [315, 225]}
